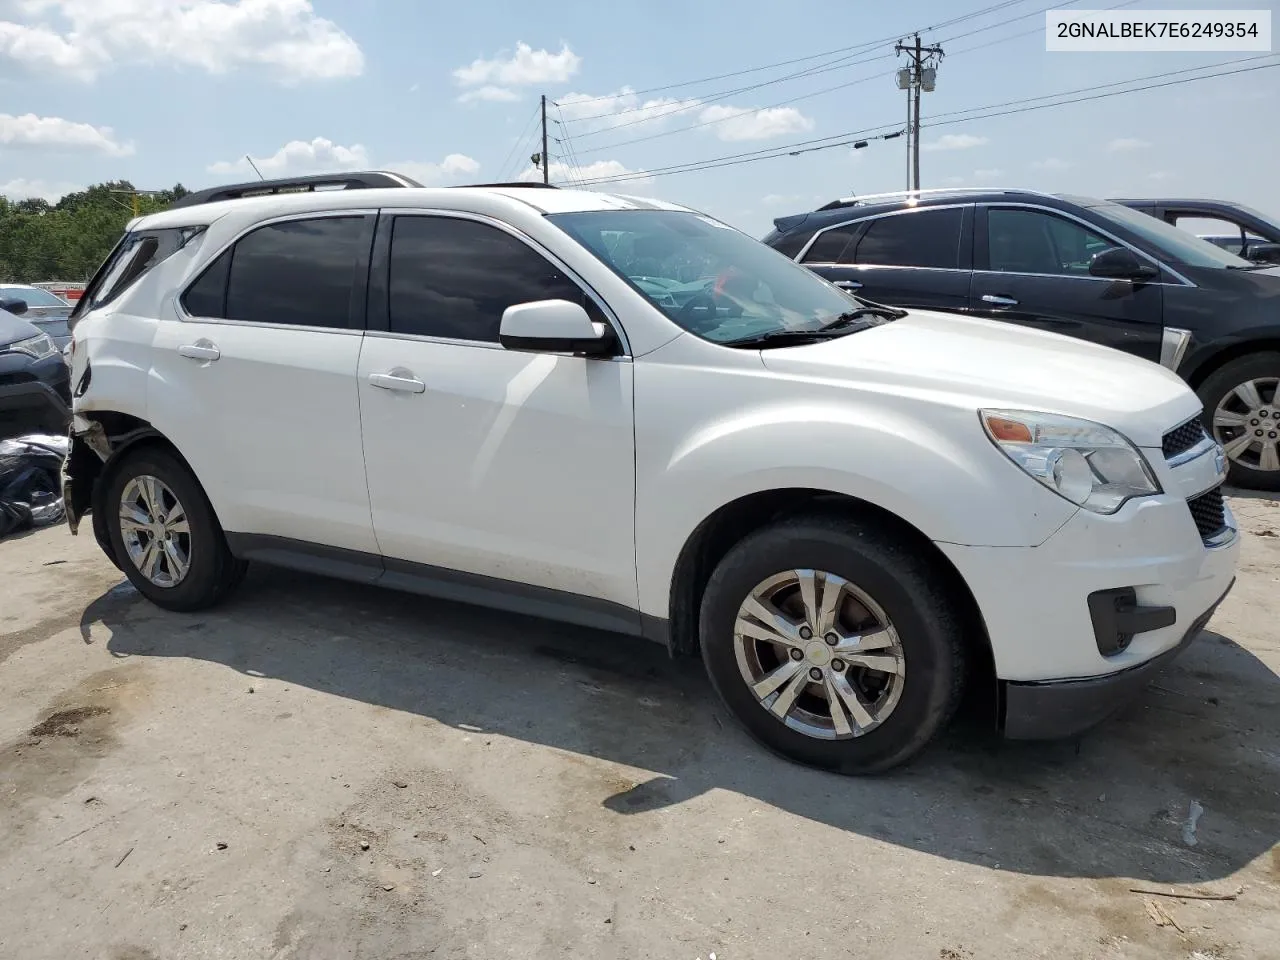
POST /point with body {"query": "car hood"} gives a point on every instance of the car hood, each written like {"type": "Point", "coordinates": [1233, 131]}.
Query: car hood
{"type": "Point", "coordinates": [14, 328]}
{"type": "Point", "coordinates": [985, 363]}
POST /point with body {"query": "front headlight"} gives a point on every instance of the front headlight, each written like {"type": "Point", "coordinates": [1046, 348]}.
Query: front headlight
{"type": "Point", "coordinates": [38, 347]}
{"type": "Point", "coordinates": [1091, 465]}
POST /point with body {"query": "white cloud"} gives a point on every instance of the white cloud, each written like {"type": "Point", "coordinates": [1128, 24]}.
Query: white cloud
{"type": "Point", "coordinates": [489, 95]}
{"type": "Point", "coordinates": [286, 36]}
{"type": "Point", "coordinates": [988, 174]}
{"type": "Point", "coordinates": [321, 155]}
{"type": "Point", "coordinates": [1126, 145]}
{"type": "Point", "coordinates": [621, 106]}
{"type": "Point", "coordinates": [570, 174]}
{"type": "Point", "coordinates": [1159, 175]}
{"type": "Point", "coordinates": [780, 199]}
{"type": "Point", "coordinates": [29, 130]}
{"type": "Point", "coordinates": [493, 79]}
{"type": "Point", "coordinates": [1052, 163]}
{"type": "Point", "coordinates": [740, 123]}
{"type": "Point", "coordinates": [956, 141]}
{"type": "Point", "coordinates": [24, 189]}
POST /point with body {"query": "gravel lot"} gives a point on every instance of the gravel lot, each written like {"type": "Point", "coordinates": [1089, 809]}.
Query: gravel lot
{"type": "Point", "coordinates": [320, 770]}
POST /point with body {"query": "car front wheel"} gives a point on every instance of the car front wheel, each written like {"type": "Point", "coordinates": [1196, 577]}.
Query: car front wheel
{"type": "Point", "coordinates": [833, 643]}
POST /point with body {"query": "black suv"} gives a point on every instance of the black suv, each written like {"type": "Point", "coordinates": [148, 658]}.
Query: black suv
{"type": "Point", "coordinates": [1086, 268]}
{"type": "Point", "coordinates": [35, 394]}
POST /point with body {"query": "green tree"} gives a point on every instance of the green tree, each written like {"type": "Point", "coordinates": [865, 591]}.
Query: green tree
{"type": "Point", "coordinates": [68, 240]}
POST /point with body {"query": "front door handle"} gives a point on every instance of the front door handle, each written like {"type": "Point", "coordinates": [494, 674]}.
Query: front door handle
{"type": "Point", "coordinates": [849, 284]}
{"type": "Point", "coordinates": [998, 300]}
{"type": "Point", "coordinates": [401, 380]}
{"type": "Point", "coordinates": [200, 350]}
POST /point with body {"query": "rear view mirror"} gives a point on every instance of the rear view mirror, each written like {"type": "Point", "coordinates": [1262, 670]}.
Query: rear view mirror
{"type": "Point", "coordinates": [553, 326]}
{"type": "Point", "coordinates": [1263, 252]}
{"type": "Point", "coordinates": [1120, 263]}
{"type": "Point", "coordinates": [16, 307]}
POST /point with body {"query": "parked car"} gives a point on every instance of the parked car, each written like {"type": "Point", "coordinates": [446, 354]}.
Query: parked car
{"type": "Point", "coordinates": [34, 387]}
{"type": "Point", "coordinates": [503, 395]}
{"type": "Point", "coordinates": [47, 311]}
{"type": "Point", "coordinates": [1092, 269]}
{"type": "Point", "coordinates": [1234, 227]}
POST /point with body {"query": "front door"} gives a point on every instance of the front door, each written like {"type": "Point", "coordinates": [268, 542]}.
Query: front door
{"type": "Point", "coordinates": [1031, 267]}
{"type": "Point", "coordinates": [254, 380]}
{"type": "Point", "coordinates": [514, 469]}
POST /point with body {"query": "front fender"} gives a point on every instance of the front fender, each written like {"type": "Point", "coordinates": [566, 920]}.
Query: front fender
{"type": "Point", "coordinates": [944, 478]}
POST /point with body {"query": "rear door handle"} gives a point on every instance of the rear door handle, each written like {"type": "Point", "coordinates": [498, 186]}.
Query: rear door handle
{"type": "Point", "coordinates": [401, 380]}
{"type": "Point", "coordinates": [998, 300]}
{"type": "Point", "coordinates": [200, 350]}
{"type": "Point", "coordinates": [849, 284]}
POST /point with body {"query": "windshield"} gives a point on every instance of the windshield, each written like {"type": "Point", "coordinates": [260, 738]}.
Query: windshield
{"type": "Point", "coordinates": [34, 296]}
{"type": "Point", "coordinates": [1170, 241]}
{"type": "Point", "coordinates": [709, 278]}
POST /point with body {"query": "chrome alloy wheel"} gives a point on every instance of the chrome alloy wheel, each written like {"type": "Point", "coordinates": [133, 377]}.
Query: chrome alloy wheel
{"type": "Point", "coordinates": [154, 528]}
{"type": "Point", "coordinates": [1247, 424]}
{"type": "Point", "coordinates": [819, 654]}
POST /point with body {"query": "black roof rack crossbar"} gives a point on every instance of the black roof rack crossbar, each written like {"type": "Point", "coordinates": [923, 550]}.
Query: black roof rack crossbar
{"type": "Point", "coordinates": [364, 180]}
{"type": "Point", "coordinates": [536, 184]}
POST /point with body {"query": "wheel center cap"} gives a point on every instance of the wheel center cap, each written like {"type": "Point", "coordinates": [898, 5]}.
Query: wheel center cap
{"type": "Point", "coordinates": [819, 654]}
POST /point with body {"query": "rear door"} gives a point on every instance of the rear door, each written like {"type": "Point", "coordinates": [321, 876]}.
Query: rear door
{"type": "Point", "coordinates": [908, 258]}
{"type": "Point", "coordinates": [254, 380]}
{"type": "Point", "coordinates": [1031, 267]}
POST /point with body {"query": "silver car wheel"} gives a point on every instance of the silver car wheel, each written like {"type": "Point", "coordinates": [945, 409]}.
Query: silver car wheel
{"type": "Point", "coordinates": [1247, 424]}
{"type": "Point", "coordinates": [819, 654]}
{"type": "Point", "coordinates": [153, 525]}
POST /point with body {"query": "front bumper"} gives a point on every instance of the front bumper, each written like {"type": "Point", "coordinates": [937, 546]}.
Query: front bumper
{"type": "Point", "coordinates": [1058, 661]}
{"type": "Point", "coordinates": [1063, 708]}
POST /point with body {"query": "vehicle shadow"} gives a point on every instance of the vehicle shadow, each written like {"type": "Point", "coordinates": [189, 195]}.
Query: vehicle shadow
{"type": "Point", "coordinates": [1116, 804]}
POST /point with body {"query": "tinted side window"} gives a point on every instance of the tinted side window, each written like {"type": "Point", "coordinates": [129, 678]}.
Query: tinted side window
{"type": "Point", "coordinates": [1029, 241]}
{"type": "Point", "coordinates": [207, 297]}
{"type": "Point", "coordinates": [925, 238]}
{"type": "Point", "coordinates": [454, 278]}
{"type": "Point", "coordinates": [299, 272]}
{"type": "Point", "coordinates": [831, 244]}
{"type": "Point", "coordinates": [789, 244]}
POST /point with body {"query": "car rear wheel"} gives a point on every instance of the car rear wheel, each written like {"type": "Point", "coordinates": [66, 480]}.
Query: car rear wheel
{"type": "Point", "coordinates": [833, 643]}
{"type": "Point", "coordinates": [165, 534]}
{"type": "Point", "coordinates": [1242, 411]}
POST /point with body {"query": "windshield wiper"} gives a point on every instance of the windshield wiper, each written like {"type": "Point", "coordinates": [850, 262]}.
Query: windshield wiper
{"type": "Point", "coordinates": [870, 310]}
{"type": "Point", "coordinates": [785, 338]}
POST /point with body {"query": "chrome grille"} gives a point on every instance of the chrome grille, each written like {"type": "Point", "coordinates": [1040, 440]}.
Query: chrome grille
{"type": "Point", "coordinates": [1209, 512]}
{"type": "Point", "coordinates": [1183, 438]}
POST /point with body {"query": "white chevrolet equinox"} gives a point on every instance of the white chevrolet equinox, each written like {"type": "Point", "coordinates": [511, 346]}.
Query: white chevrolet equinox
{"type": "Point", "coordinates": [622, 413]}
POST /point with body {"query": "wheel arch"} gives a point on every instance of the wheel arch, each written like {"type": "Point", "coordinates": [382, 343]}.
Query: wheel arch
{"type": "Point", "coordinates": [1208, 365]}
{"type": "Point", "coordinates": [731, 522]}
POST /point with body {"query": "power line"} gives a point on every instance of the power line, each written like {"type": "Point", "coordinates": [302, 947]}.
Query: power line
{"type": "Point", "coordinates": [805, 96]}
{"type": "Point", "coordinates": [524, 133]}
{"type": "Point", "coordinates": [853, 50]}
{"type": "Point", "coordinates": [1018, 106]}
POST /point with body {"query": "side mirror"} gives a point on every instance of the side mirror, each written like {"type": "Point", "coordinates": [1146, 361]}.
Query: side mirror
{"type": "Point", "coordinates": [16, 307]}
{"type": "Point", "coordinates": [1119, 263]}
{"type": "Point", "coordinates": [553, 326]}
{"type": "Point", "coordinates": [1262, 252]}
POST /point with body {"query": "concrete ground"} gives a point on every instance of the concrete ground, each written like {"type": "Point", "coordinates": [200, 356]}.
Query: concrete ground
{"type": "Point", "coordinates": [319, 770]}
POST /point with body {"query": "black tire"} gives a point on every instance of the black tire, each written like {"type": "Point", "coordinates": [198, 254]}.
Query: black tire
{"type": "Point", "coordinates": [909, 590]}
{"type": "Point", "coordinates": [1222, 382]}
{"type": "Point", "coordinates": [213, 571]}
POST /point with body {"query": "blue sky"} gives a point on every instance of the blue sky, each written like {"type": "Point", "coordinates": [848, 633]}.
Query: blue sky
{"type": "Point", "coordinates": [159, 91]}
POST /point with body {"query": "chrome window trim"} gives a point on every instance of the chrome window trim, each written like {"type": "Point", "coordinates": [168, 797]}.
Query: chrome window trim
{"type": "Point", "coordinates": [1066, 215]}
{"type": "Point", "coordinates": [883, 266]}
{"type": "Point", "coordinates": [537, 248]}
{"type": "Point", "coordinates": [181, 311]}
{"type": "Point", "coordinates": [799, 257]}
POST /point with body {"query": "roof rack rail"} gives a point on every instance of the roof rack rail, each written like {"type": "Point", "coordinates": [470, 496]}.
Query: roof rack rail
{"type": "Point", "coordinates": [364, 180]}
{"type": "Point", "coordinates": [933, 192]}
{"type": "Point", "coordinates": [535, 184]}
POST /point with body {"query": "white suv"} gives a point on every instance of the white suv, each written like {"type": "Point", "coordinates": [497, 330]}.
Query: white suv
{"type": "Point", "coordinates": [622, 413]}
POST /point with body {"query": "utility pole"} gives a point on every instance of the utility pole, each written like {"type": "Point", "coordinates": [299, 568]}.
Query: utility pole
{"type": "Point", "coordinates": [546, 166]}
{"type": "Point", "coordinates": [921, 75]}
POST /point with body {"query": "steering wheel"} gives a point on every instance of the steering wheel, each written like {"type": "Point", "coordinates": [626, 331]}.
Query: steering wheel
{"type": "Point", "coordinates": [699, 312]}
